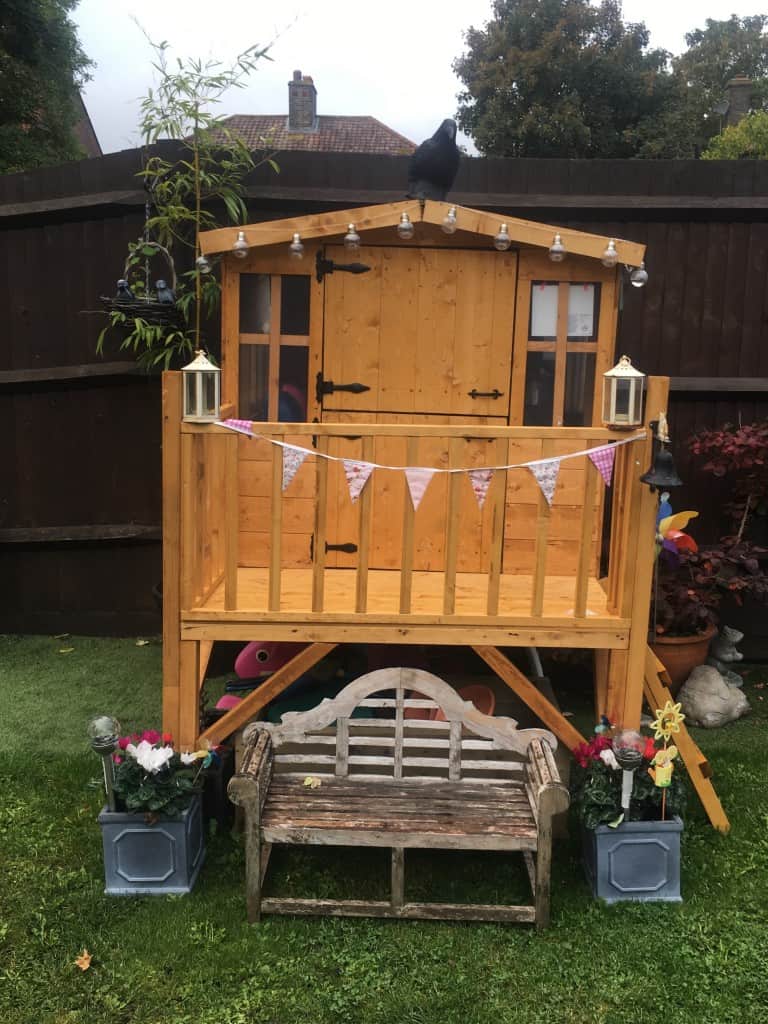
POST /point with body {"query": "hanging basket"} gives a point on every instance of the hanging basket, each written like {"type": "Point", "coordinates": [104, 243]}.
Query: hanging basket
{"type": "Point", "coordinates": [158, 314]}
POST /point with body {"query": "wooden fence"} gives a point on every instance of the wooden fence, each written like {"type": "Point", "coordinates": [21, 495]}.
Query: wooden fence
{"type": "Point", "coordinates": [80, 493]}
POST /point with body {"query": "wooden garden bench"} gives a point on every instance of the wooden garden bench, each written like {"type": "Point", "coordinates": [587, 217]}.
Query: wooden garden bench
{"type": "Point", "coordinates": [416, 767]}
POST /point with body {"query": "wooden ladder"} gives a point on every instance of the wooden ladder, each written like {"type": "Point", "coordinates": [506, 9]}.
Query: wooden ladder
{"type": "Point", "coordinates": [656, 690]}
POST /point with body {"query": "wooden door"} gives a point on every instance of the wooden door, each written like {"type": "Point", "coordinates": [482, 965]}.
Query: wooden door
{"type": "Point", "coordinates": [428, 333]}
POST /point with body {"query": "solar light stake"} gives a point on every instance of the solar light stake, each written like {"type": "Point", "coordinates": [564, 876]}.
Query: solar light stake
{"type": "Point", "coordinates": [103, 731]}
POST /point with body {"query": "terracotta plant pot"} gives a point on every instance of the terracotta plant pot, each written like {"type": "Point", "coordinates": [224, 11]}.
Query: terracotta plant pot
{"type": "Point", "coordinates": [680, 655]}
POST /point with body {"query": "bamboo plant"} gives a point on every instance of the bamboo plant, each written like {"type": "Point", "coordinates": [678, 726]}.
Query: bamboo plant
{"type": "Point", "coordinates": [199, 187]}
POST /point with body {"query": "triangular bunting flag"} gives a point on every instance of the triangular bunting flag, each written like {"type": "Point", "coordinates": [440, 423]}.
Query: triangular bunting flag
{"type": "Point", "coordinates": [481, 481]}
{"type": "Point", "coordinates": [603, 461]}
{"type": "Point", "coordinates": [546, 477]}
{"type": "Point", "coordinates": [241, 426]}
{"type": "Point", "coordinates": [357, 474]}
{"type": "Point", "coordinates": [418, 481]}
{"type": "Point", "coordinates": [292, 460]}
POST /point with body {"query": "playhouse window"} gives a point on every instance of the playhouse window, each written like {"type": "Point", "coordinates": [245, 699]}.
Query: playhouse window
{"type": "Point", "coordinates": [562, 346]}
{"type": "Point", "coordinates": [274, 346]}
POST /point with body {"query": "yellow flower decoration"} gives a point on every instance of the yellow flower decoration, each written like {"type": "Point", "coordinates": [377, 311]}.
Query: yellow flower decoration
{"type": "Point", "coordinates": [668, 720]}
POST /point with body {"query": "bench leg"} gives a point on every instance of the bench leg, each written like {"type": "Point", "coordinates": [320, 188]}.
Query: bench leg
{"type": "Point", "coordinates": [253, 863]}
{"type": "Point", "coordinates": [398, 878]}
{"type": "Point", "coordinates": [543, 867]}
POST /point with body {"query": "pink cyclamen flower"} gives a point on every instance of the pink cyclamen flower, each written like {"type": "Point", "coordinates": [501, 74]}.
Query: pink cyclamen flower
{"type": "Point", "coordinates": [117, 759]}
{"type": "Point", "coordinates": [123, 742]}
{"type": "Point", "coordinates": [151, 736]}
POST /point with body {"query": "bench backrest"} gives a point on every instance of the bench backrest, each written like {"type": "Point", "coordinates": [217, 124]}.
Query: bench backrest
{"type": "Point", "coordinates": [371, 730]}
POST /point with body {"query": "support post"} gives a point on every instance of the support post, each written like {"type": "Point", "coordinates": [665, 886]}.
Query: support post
{"type": "Point", "coordinates": [171, 461]}
{"type": "Point", "coordinates": [644, 528]}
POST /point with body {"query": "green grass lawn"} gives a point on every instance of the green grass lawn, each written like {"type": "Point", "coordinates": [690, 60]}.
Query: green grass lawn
{"type": "Point", "coordinates": [194, 960]}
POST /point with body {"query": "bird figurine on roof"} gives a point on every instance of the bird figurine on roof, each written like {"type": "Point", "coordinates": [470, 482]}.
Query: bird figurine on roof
{"type": "Point", "coordinates": [433, 166]}
{"type": "Point", "coordinates": [164, 293]}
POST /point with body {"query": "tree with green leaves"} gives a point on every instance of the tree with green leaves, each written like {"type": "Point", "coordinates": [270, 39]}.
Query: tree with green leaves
{"type": "Point", "coordinates": [188, 192]}
{"type": "Point", "coordinates": [560, 78]}
{"type": "Point", "coordinates": [42, 66]}
{"type": "Point", "coordinates": [715, 54]}
{"type": "Point", "coordinates": [747, 140]}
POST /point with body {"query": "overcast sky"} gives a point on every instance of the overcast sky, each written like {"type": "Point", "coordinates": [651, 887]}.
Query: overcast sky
{"type": "Point", "coordinates": [390, 59]}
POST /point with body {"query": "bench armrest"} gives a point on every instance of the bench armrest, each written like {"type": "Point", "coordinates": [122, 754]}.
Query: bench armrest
{"type": "Point", "coordinates": [249, 785]}
{"type": "Point", "coordinates": [545, 785]}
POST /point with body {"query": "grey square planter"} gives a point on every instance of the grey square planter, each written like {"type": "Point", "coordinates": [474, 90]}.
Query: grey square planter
{"type": "Point", "coordinates": [163, 858]}
{"type": "Point", "coordinates": [638, 860]}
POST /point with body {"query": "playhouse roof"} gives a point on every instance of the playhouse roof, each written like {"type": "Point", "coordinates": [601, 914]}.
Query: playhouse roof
{"type": "Point", "coordinates": [370, 218]}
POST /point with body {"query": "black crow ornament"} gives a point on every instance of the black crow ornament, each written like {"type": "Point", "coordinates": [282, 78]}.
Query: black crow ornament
{"type": "Point", "coordinates": [124, 293]}
{"type": "Point", "coordinates": [164, 293]}
{"type": "Point", "coordinates": [432, 169]}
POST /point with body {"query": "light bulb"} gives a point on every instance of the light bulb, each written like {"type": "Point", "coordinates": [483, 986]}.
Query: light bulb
{"type": "Point", "coordinates": [241, 247]}
{"type": "Point", "coordinates": [638, 277]}
{"type": "Point", "coordinates": [502, 241]}
{"type": "Point", "coordinates": [203, 264]}
{"type": "Point", "coordinates": [557, 251]}
{"type": "Point", "coordinates": [296, 247]}
{"type": "Point", "coordinates": [610, 257]}
{"type": "Point", "coordinates": [449, 221]}
{"type": "Point", "coordinates": [352, 239]}
{"type": "Point", "coordinates": [405, 227]}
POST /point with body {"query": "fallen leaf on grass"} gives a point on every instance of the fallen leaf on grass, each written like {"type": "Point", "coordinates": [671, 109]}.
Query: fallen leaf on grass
{"type": "Point", "coordinates": [61, 636]}
{"type": "Point", "coordinates": [142, 643]}
{"type": "Point", "coordinates": [66, 650]}
{"type": "Point", "coordinates": [84, 960]}
{"type": "Point", "coordinates": [759, 686]}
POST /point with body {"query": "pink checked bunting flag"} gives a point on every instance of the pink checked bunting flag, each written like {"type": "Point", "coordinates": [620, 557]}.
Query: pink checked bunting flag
{"type": "Point", "coordinates": [418, 480]}
{"type": "Point", "coordinates": [292, 460]}
{"type": "Point", "coordinates": [546, 477]}
{"type": "Point", "coordinates": [481, 481]}
{"type": "Point", "coordinates": [357, 474]}
{"type": "Point", "coordinates": [603, 461]}
{"type": "Point", "coordinates": [241, 426]}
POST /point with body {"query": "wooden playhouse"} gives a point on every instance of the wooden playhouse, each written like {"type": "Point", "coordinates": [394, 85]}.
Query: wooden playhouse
{"type": "Point", "coordinates": [443, 353]}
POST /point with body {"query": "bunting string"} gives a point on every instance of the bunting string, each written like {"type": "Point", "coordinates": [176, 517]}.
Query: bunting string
{"type": "Point", "coordinates": [241, 427]}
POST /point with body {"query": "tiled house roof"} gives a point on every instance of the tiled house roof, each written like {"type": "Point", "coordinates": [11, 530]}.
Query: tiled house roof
{"type": "Point", "coordinates": [333, 134]}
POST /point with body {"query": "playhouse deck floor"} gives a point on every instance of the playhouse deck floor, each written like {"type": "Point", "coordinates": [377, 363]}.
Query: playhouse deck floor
{"type": "Point", "coordinates": [515, 593]}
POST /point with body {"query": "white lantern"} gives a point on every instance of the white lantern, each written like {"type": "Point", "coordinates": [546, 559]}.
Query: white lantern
{"type": "Point", "coordinates": [623, 388]}
{"type": "Point", "coordinates": [202, 390]}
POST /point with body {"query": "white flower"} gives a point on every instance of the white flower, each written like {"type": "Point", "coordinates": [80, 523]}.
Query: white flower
{"type": "Point", "coordinates": [152, 759]}
{"type": "Point", "coordinates": [189, 758]}
{"type": "Point", "coordinates": [608, 757]}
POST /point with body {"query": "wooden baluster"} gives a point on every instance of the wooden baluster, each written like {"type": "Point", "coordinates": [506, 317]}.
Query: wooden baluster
{"type": "Point", "coordinates": [619, 509]}
{"type": "Point", "coordinates": [231, 520]}
{"type": "Point", "coordinates": [585, 543]}
{"type": "Point", "coordinates": [188, 518]}
{"type": "Point", "coordinates": [498, 512]}
{"type": "Point", "coordinates": [542, 530]}
{"type": "Point", "coordinates": [365, 504]}
{"type": "Point", "coordinates": [455, 482]}
{"type": "Point", "coordinates": [454, 752]}
{"type": "Point", "coordinates": [276, 528]}
{"type": "Point", "coordinates": [321, 523]}
{"type": "Point", "coordinates": [406, 563]}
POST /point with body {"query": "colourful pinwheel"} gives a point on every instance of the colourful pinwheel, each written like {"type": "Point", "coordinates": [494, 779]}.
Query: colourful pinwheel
{"type": "Point", "coordinates": [669, 531]}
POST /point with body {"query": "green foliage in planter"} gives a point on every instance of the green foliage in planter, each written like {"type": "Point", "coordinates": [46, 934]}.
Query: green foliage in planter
{"type": "Point", "coordinates": [596, 788]}
{"type": "Point", "coordinates": [186, 194]}
{"type": "Point", "coordinates": [166, 792]}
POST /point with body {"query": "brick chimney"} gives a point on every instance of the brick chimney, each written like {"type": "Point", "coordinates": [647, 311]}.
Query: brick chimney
{"type": "Point", "coordinates": [739, 93]}
{"type": "Point", "coordinates": [302, 104]}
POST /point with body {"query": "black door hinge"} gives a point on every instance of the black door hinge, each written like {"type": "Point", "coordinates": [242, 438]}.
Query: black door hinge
{"type": "Point", "coordinates": [349, 548]}
{"type": "Point", "coordinates": [325, 266]}
{"type": "Point", "coordinates": [327, 387]}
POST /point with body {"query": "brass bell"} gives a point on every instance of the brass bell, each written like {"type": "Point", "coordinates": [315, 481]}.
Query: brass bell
{"type": "Point", "coordinates": [662, 473]}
